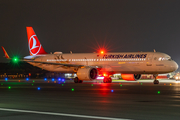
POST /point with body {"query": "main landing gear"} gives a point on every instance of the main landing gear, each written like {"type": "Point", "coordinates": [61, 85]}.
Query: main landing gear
{"type": "Point", "coordinates": [76, 80]}
{"type": "Point", "coordinates": [107, 80]}
{"type": "Point", "coordinates": [155, 77]}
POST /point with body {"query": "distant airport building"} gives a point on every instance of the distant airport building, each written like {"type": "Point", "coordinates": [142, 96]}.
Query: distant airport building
{"type": "Point", "coordinates": [145, 76]}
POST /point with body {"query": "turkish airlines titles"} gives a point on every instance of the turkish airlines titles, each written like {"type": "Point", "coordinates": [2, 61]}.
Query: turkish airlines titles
{"type": "Point", "coordinates": [119, 56]}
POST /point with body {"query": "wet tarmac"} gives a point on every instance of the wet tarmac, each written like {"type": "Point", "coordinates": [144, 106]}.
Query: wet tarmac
{"type": "Point", "coordinates": [22, 99]}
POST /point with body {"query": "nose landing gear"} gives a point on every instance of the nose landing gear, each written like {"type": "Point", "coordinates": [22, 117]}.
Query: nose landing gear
{"type": "Point", "coordinates": [156, 81]}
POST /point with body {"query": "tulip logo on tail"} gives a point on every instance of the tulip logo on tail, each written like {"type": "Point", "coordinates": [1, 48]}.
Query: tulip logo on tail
{"type": "Point", "coordinates": [34, 45]}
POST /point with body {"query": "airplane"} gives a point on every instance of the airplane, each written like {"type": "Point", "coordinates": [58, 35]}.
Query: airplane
{"type": "Point", "coordinates": [88, 66]}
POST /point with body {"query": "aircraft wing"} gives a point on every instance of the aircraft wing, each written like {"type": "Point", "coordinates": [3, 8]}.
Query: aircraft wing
{"type": "Point", "coordinates": [63, 64]}
{"type": "Point", "coordinates": [50, 63]}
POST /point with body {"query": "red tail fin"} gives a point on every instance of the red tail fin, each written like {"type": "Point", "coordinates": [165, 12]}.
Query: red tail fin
{"type": "Point", "coordinates": [35, 47]}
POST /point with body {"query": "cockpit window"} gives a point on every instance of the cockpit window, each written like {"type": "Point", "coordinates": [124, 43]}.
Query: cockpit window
{"type": "Point", "coordinates": [164, 58]}
{"type": "Point", "coordinates": [169, 59]}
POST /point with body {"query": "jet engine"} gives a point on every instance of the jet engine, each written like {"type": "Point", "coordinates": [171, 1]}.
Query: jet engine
{"type": "Point", "coordinates": [87, 73]}
{"type": "Point", "coordinates": [131, 77]}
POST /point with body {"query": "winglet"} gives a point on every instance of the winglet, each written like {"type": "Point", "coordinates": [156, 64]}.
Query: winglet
{"type": "Point", "coordinates": [5, 53]}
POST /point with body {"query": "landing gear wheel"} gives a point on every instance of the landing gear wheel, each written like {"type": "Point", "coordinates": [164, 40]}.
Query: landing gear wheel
{"type": "Point", "coordinates": [107, 80]}
{"type": "Point", "coordinates": [156, 81]}
{"type": "Point", "coordinates": [76, 80]}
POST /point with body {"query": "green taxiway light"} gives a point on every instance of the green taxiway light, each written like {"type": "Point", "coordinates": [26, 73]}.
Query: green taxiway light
{"type": "Point", "coordinates": [1, 84]}
{"type": "Point", "coordinates": [91, 84]}
{"type": "Point", "coordinates": [121, 85]}
{"type": "Point", "coordinates": [72, 89]}
{"type": "Point", "coordinates": [141, 83]}
{"type": "Point", "coordinates": [158, 92]}
{"type": "Point", "coordinates": [32, 84]}
{"type": "Point", "coordinates": [9, 87]}
{"type": "Point", "coordinates": [33, 80]}
{"type": "Point", "coordinates": [62, 84]}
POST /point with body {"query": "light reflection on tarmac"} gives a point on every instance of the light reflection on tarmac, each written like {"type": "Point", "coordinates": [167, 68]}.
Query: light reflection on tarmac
{"type": "Point", "coordinates": [21, 99]}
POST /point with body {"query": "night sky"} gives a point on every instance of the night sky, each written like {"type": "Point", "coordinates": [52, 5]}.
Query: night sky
{"type": "Point", "coordinates": [80, 25]}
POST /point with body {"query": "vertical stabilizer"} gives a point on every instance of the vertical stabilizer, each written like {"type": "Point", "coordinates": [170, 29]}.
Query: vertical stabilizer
{"type": "Point", "coordinates": [35, 47]}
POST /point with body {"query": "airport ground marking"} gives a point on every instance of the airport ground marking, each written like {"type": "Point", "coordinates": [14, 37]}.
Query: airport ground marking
{"type": "Point", "coordinates": [62, 114]}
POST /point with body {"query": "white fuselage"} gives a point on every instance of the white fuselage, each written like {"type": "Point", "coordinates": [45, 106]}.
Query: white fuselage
{"type": "Point", "coordinates": [124, 62]}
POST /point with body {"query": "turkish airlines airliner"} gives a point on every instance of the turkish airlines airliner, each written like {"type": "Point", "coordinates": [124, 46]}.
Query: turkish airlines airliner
{"type": "Point", "coordinates": [89, 66]}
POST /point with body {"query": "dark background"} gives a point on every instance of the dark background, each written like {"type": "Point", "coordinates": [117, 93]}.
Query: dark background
{"type": "Point", "coordinates": [84, 25]}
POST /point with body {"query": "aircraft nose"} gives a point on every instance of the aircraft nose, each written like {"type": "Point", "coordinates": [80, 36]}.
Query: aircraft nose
{"type": "Point", "coordinates": [175, 66]}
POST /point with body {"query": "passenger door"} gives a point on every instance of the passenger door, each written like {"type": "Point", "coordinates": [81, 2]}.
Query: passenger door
{"type": "Point", "coordinates": [149, 60]}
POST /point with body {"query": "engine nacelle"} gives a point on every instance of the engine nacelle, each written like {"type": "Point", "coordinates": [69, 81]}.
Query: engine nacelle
{"type": "Point", "coordinates": [87, 73]}
{"type": "Point", "coordinates": [131, 77]}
